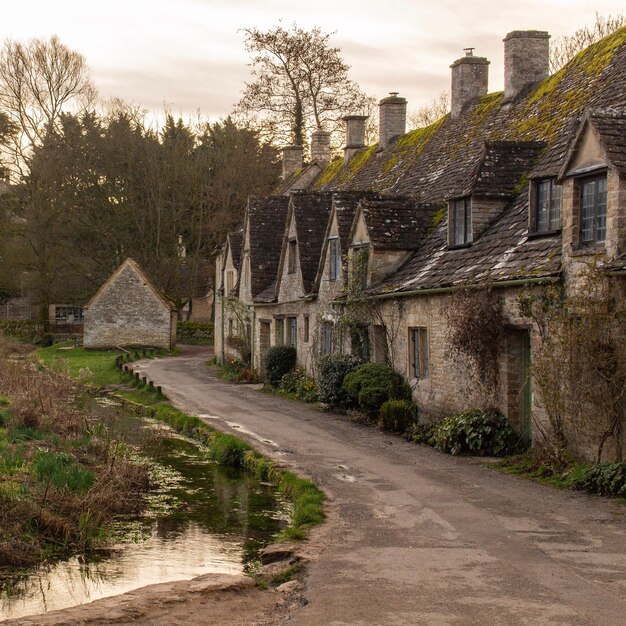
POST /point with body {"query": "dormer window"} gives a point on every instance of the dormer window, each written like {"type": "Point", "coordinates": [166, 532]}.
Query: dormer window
{"type": "Point", "coordinates": [334, 252]}
{"type": "Point", "coordinates": [460, 218]}
{"type": "Point", "coordinates": [547, 206]}
{"type": "Point", "coordinates": [292, 251]}
{"type": "Point", "coordinates": [593, 209]}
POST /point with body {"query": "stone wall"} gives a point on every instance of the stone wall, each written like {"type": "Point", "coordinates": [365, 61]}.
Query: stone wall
{"type": "Point", "coordinates": [127, 312]}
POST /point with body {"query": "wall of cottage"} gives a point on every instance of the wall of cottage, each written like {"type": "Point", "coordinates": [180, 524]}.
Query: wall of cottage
{"type": "Point", "coordinates": [128, 313]}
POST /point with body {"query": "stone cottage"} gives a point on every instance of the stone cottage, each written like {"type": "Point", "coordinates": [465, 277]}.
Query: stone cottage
{"type": "Point", "coordinates": [128, 310]}
{"type": "Point", "coordinates": [508, 194]}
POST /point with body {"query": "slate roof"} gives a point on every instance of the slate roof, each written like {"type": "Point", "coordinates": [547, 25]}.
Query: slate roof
{"type": "Point", "coordinates": [266, 223]}
{"type": "Point", "coordinates": [500, 168]}
{"type": "Point", "coordinates": [435, 163]}
{"type": "Point", "coordinates": [311, 212]}
{"type": "Point", "coordinates": [235, 240]}
{"type": "Point", "coordinates": [396, 222]}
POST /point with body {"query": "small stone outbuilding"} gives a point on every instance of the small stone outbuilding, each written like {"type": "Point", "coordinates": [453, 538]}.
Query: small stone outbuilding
{"type": "Point", "coordinates": [128, 310]}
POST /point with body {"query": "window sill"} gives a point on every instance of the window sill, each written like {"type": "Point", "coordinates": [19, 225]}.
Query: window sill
{"type": "Point", "coordinates": [588, 249]}
{"type": "Point", "coordinates": [459, 246]}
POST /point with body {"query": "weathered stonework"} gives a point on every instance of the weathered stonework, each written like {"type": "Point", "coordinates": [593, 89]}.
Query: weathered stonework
{"type": "Point", "coordinates": [526, 60]}
{"type": "Point", "coordinates": [470, 81]}
{"type": "Point", "coordinates": [129, 311]}
{"type": "Point", "coordinates": [392, 113]}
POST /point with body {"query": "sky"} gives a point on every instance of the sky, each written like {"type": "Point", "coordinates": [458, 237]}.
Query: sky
{"type": "Point", "coordinates": [188, 55]}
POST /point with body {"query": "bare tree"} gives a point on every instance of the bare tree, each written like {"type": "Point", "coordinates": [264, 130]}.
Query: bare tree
{"type": "Point", "coordinates": [300, 83]}
{"type": "Point", "coordinates": [430, 113]}
{"type": "Point", "coordinates": [567, 47]}
{"type": "Point", "coordinates": [38, 81]}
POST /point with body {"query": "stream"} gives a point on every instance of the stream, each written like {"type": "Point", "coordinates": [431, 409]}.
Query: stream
{"type": "Point", "coordinates": [203, 518]}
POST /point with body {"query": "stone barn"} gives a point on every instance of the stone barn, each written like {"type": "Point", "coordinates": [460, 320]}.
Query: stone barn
{"type": "Point", "coordinates": [128, 310]}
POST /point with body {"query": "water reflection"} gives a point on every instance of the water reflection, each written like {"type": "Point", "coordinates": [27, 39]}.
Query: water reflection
{"type": "Point", "coordinates": [203, 519]}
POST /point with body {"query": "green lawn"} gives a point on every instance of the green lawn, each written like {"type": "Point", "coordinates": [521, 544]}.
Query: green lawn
{"type": "Point", "coordinates": [101, 363]}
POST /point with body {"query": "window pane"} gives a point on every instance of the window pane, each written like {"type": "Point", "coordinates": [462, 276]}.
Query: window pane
{"type": "Point", "coordinates": [543, 208]}
{"type": "Point", "coordinates": [587, 210]}
{"type": "Point", "coordinates": [555, 208]}
{"type": "Point", "coordinates": [459, 222]}
{"type": "Point", "coordinates": [334, 259]}
{"type": "Point", "coordinates": [601, 209]}
{"type": "Point", "coordinates": [467, 235]}
{"type": "Point", "coordinates": [423, 335]}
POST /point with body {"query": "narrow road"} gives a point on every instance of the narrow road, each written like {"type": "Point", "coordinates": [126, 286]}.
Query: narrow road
{"type": "Point", "coordinates": [415, 536]}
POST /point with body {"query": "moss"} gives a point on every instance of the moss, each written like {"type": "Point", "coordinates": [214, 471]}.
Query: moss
{"type": "Point", "coordinates": [357, 162]}
{"type": "Point", "coordinates": [438, 216]}
{"type": "Point", "coordinates": [329, 173]}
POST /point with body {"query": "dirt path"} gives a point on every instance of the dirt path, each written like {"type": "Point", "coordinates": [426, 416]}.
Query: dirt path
{"type": "Point", "coordinates": [413, 536]}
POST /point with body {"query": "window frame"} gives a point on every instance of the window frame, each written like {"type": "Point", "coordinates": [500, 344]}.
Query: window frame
{"type": "Point", "coordinates": [419, 352]}
{"type": "Point", "coordinates": [453, 213]}
{"type": "Point", "coordinates": [292, 332]}
{"type": "Point", "coordinates": [279, 331]}
{"type": "Point", "coordinates": [327, 338]}
{"type": "Point", "coordinates": [334, 252]}
{"type": "Point", "coordinates": [554, 203]}
{"type": "Point", "coordinates": [306, 329]}
{"type": "Point", "coordinates": [580, 190]}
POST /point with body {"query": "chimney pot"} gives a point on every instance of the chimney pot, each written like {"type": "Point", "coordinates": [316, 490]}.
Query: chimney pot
{"type": "Point", "coordinates": [392, 116]}
{"type": "Point", "coordinates": [470, 81]}
{"type": "Point", "coordinates": [526, 60]}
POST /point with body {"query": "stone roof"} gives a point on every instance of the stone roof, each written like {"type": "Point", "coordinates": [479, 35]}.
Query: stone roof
{"type": "Point", "coordinates": [500, 168]}
{"type": "Point", "coordinates": [611, 126]}
{"type": "Point", "coordinates": [488, 145]}
{"type": "Point", "coordinates": [235, 241]}
{"type": "Point", "coordinates": [265, 219]}
{"type": "Point", "coordinates": [311, 212]}
{"type": "Point", "coordinates": [395, 222]}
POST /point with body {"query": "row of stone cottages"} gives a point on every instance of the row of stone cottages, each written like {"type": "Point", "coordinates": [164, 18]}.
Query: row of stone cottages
{"type": "Point", "coordinates": [513, 189]}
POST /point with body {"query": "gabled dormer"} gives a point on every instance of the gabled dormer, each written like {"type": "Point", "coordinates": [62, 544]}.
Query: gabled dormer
{"type": "Point", "coordinates": [262, 237]}
{"type": "Point", "coordinates": [303, 239]}
{"type": "Point", "coordinates": [593, 177]}
{"type": "Point", "coordinates": [487, 188]}
{"type": "Point", "coordinates": [385, 232]}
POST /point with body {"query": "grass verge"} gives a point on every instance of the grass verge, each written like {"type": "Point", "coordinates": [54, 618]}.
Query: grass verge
{"type": "Point", "coordinates": [98, 369]}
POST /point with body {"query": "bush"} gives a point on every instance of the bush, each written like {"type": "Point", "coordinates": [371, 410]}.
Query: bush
{"type": "Point", "coordinates": [607, 479]}
{"type": "Point", "coordinates": [480, 433]}
{"type": "Point", "coordinates": [420, 433]}
{"type": "Point", "coordinates": [299, 383]}
{"type": "Point", "coordinates": [397, 415]}
{"type": "Point", "coordinates": [372, 384]}
{"type": "Point", "coordinates": [25, 330]}
{"type": "Point", "coordinates": [278, 361]}
{"type": "Point", "coordinates": [332, 369]}
{"type": "Point", "coordinates": [198, 332]}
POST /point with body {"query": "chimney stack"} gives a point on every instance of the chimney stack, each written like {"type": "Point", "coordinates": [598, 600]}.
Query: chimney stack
{"type": "Point", "coordinates": [392, 112]}
{"type": "Point", "coordinates": [320, 147]}
{"type": "Point", "coordinates": [355, 135]}
{"type": "Point", "coordinates": [526, 60]}
{"type": "Point", "coordinates": [470, 80]}
{"type": "Point", "coordinates": [292, 160]}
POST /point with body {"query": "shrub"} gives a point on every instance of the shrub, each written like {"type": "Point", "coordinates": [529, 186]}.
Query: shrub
{"type": "Point", "coordinates": [298, 382]}
{"type": "Point", "coordinates": [370, 385]}
{"type": "Point", "coordinates": [278, 361]}
{"type": "Point", "coordinates": [25, 330]}
{"type": "Point", "coordinates": [397, 415]}
{"type": "Point", "coordinates": [420, 433]}
{"type": "Point", "coordinates": [607, 479]}
{"type": "Point", "coordinates": [332, 368]}
{"type": "Point", "coordinates": [198, 332]}
{"type": "Point", "coordinates": [476, 432]}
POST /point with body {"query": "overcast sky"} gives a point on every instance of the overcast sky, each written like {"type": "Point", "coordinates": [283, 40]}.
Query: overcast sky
{"type": "Point", "coordinates": [188, 55]}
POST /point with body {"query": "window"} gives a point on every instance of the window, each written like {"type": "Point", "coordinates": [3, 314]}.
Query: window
{"type": "Point", "coordinates": [292, 330]}
{"type": "Point", "coordinates": [306, 329]}
{"type": "Point", "coordinates": [68, 315]}
{"type": "Point", "coordinates": [460, 222]}
{"type": "Point", "coordinates": [593, 209]}
{"type": "Point", "coordinates": [291, 256]}
{"type": "Point", "coordinates": [547, 201]}
{"type": "Point", "coordinates": [334, 251]}
{"type": "Point", "coordinates": [360, 343]}
{"type": "Point", "coordinates": [230, 327]}
{"type": "Point", "coordinates": [419, 352]}
{"type": "Point", "coordinates": [326, 339]}
{"type": "Point", "coordinates": [279, 332]}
